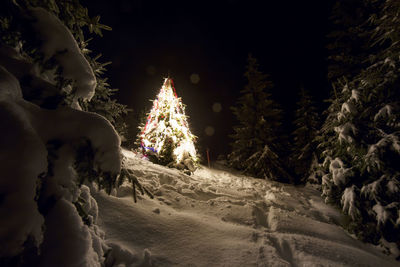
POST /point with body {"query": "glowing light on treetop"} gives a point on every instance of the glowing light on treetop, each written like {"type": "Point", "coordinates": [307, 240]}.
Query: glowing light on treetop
{"type": "Point", "coordinates": [166, 132]}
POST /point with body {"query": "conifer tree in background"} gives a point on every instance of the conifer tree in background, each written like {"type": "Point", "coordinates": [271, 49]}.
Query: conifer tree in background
{"type": "Point", "coordinates": [347, 42]}
{"type": "Point", "coordinates": [256, 138]}
{"type": "Point", "coordinates": [360, 137]}
{"type": "Point", "coordinates": [166, 137]}
{"type": "Point", "coordinates": [306, 128]}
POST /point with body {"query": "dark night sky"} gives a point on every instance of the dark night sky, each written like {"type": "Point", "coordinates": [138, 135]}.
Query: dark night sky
{"type": "Point", "coordinates": [151, 39]}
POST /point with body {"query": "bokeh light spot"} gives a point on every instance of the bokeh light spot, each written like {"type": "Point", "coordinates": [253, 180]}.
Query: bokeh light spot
{"type": "Point", "coordinates": [217, 107]}
{"type": "Point", "coordinates": [209, 130]}
{"type": "Point", "coordinates": [194, 78]}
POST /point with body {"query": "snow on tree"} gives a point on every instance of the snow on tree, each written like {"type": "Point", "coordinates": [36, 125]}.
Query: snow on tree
{"type": "Point", "coordinates": [59, 43]}
{"type": "Point", "coordinates": [49, 146]}
{"type": "Point", "coordinates": [67, 73]}
{"type": "Point", "coordinates": [166, 137]}
{"type": "Point", "coordinates": [359, 141]}
{"type": "Point", "coordinates": [32, 181]}
{"type": "Point", "coordinates": [307, 126]}
{"type": "Point", "coordinates": [256, 138]}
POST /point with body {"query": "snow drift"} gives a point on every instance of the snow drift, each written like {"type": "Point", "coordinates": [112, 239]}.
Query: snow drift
{"type": "Point", "coordinates": [218, 218]}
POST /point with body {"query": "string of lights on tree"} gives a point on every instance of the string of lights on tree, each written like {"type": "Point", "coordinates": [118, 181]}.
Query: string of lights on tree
{"type": "Point", "coordinates": [166, 134]}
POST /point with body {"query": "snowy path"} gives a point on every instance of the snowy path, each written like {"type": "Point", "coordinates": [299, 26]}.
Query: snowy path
{"type": "Point", "coordinates": [216, 218]}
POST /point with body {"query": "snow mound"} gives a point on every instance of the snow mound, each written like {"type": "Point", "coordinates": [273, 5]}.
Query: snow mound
{"type": "Point", "coordinates": [217, 217]}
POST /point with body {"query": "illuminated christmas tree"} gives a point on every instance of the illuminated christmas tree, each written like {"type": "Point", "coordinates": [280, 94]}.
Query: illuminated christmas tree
{"type": "Point", "coordinates": [166, 138]}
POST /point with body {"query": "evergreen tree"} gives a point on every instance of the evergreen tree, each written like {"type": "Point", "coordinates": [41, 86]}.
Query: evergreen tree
{"type": "Point", "coordinates": [42, 43]}
{"type": "Point", "coordinates": [304, 146]}
{"type": "Point", "coordinates": [348, 41]}
{"type": "Point", "coordinates": [166, 137]}
{"type": "Point", "coordinates": [360, 137]}
{"type": "Point", "coordinates": [102, 102]}
{"type": "Point", "coordinates": [255, 147]}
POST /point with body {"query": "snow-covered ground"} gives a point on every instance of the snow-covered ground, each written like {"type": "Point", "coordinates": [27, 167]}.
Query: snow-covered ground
{"type": "Point", "coordinates": [218, 218]}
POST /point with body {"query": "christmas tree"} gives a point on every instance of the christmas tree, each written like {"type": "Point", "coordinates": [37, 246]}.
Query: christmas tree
{"type": "Point", "coordinates": [166, 137]}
